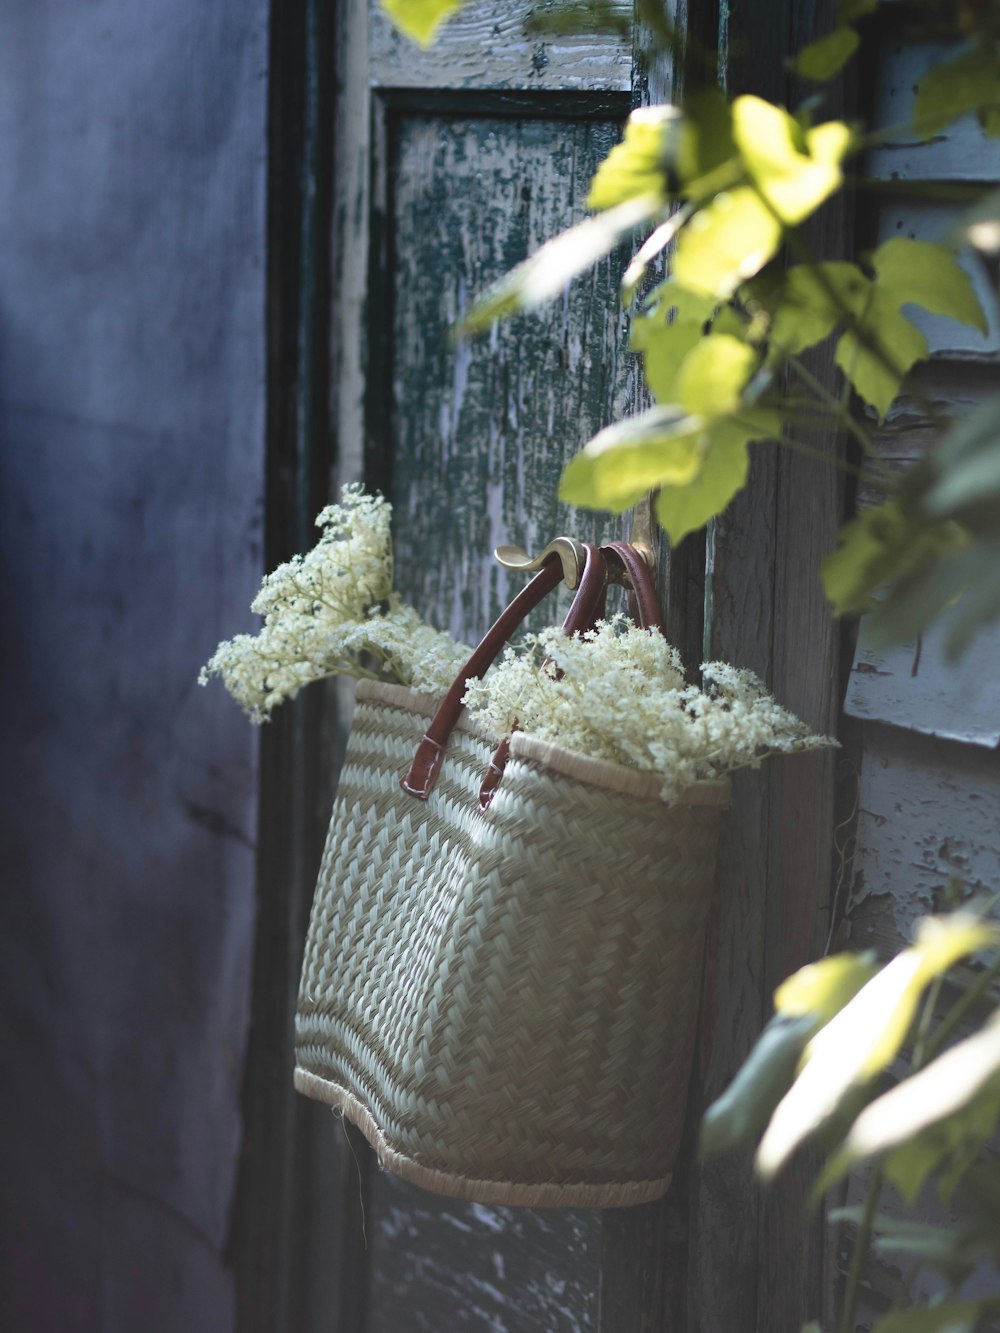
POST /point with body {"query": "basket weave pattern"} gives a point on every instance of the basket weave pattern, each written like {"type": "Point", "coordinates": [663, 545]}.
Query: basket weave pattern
{"type": "Point", "coordinates": [504, 1001]}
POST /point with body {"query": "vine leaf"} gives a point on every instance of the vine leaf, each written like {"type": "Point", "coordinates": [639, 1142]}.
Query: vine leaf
{"type": "Point", "coordinates": [880, 349]}
{"type": "Point", "coordinates": [545, 273]}
{"type": "Point", "coordinates": [822, 59]}
{"type": "Point", "coordinates": [726, 242]}
{"type": "Point", "coordinates": [794, 169]}
{"type": "Point", "coordinates": [865, 1036]}
{"type": "Point", "coordinates": [967, 83]}
{"type": "Point", "coordinates": [714, 374]}
{"type": "Point", "coordinates": [420, 19]}
{"type": "Point", "coordinates": [804, 1002]}
{"type": "Point", "coordinates": [927, 274]}
{"type": "Point", "coordinates": [668, 448]}
{"type": "Point", "coordinates": [663, 348]}
{"type": "Point", "coordinates": [723, 473]}
{"type": "Point", "coordinates": [811, 301]}
{"type": "Point", "coordinates": [642, 164]}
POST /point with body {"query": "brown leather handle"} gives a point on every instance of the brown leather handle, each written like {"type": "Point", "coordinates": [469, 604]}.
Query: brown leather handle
{"type": "Point", "coordinates": [625, 562]}
{"type": "Point", "coordinates": [621, 556]}
{"type": "Point", "coordinates": [422, 774]}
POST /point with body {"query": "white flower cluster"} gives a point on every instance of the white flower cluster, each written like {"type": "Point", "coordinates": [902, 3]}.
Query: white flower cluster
{"type": "Point", "coordinates": [618, 693]}
{"type": "Point", "coordinates": [333, 612]}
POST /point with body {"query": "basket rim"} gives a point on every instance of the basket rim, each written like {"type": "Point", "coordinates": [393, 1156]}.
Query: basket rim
{"type": "Point", "coordinates": [546, 1194]}
{"type": "Point", "coordinates": [556, 759]}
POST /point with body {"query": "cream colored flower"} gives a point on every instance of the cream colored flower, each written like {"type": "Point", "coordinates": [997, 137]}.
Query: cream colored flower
{"type": "Point", "coordinates": [332, 612]}
{"type": "Point", "coordinates": [618, 693]}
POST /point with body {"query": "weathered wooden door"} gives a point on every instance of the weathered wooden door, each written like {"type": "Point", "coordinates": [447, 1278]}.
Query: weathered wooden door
{"type": "Point", "coordinates": [450, 166]}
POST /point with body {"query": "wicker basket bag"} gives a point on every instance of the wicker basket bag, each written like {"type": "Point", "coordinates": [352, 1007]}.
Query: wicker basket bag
{"type": "Point", "coordinates": [501, 978]}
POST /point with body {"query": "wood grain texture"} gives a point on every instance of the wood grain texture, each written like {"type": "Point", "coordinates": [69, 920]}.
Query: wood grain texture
{"type": "Point", "coordinates": [488, 44]}
{"type": "Point", "coordinates": [928, 809]}
{"type": "Point", "coordinates": [434, 1264]}
{"type": "Point", "coordinates": [480, 431]}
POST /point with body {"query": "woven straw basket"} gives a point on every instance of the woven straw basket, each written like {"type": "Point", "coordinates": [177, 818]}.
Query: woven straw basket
{"type": "Point", "coordinates": [504, 1000]}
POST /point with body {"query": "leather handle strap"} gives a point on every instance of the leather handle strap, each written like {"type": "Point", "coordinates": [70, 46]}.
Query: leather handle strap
{"type": "Point", "coordinates": [422, 774]}
{"type": "Point", "coordinates": [631, 569]}
{"type": "Point", "coordinates": [621, 555]}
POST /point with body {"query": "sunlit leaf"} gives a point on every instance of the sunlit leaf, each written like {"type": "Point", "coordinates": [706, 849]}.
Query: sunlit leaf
{"type": "Point", "coordinates": [877, 354]}
{"type": "Point", "coordinates": [714, 374]}
{"type": "Point", "coordinates": [813, 300]}
{"type": "Point", "coordinates": [664, 448]}
{"type": "Point", "coordinates": [664, 347]}
{"type": "Point", "coordinates": [979, 226]}
{"type": "Point", "coordinates": [763, 1079]}
{"type": "Point", "coordinates": [642, 165]}
{"type": "Point", "coordinates": [793, 170]}
{"type": "Point", "coordinates": [822, 59]}
{"type": "Point", "coordinates": [951, 89]}
{"type": "Point", "coordinates": [707, 157]}
{"type": "Point", "coordinates": [865, 1036]}
{"type": "Point", "coordinates": [927, 274]}
{"type": "Point", "coordinates": [726, 242]}
{"type": "Point", "coordinates": [626, 460]}
{"type": "Point", "coordinates": [671, 297]}
{"type": "Point", "coordinates": [653, 246]}
{"type": "Point", "coordinates": [545, 273]}
{"type": "Point", "coordinates": [420, 19]}
{"type": "Point", "coordinates": [723, 473]}
{"type": "Point", "coordinates": [944, 1089]}
{"type": "Point", "coordinates": [945, 1317]}
{"type": "Point", "coordinates": [821, 989]}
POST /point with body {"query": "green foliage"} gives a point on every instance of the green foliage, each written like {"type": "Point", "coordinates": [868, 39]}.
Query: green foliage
{"type": "Point", "coordinates": [824, 58]}
{"type": "Point", "coordinates": [420, 19]}
{"type": "Point", "coordinates": [794, 170]}
{"type": "Point", "coordinates": [945, 1317]}
{"type": "Point", "coordinates": [862, 1039]}
{"type": "Point", "coordinates": [641, 166]}
{"type": "Point", "coordinates": [968, 83]}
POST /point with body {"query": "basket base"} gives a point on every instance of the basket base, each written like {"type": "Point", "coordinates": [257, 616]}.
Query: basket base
{"type": "Point", "coordinates": [549, 1194]}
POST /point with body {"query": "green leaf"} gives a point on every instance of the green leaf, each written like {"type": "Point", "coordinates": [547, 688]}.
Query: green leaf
{"type": "Point", "coordinates": [665, 448]}
{"type": "Point", "coordinates": [865, 1036]}
{"type": "Point", "coordinates": [946, 1317]}
{"type": "Point", "coordinates": [877, 354]}
{"type": "Point", "coordinates": [420, 19]}
{"type": "Point", "coordinates": [884, 544]}
{"type": "Point", "coordinates": [642, 165]}
{"type": "Point", "coordinates": [762, 1080]}
{"type": "Point", "coordinates": [979, 226]}
{"type": "Point", "coordinates": [793, 170]}
{"type": "Point", "coordinates": [821, 989]}
{"type": "Point", "coordinates": [822, 59]}
{"type": "Point", "coordinates": [924, 273]}
{"type": "Point", "coordinates": [685, 509]}
{"type": "Point", "coordinates": [631, 457]}
{"type": "Point", "coordinates": [944, 1089]}
{"type": "Point", "coordinates": [813, 300]}
{"type": "Point", "coordinates": [707, 157]}
{"type": "Point", "coordinates": [714, 374]}
{"type": "Point", "coordinates": [664, 347]}
{"type": "Point", "coordinates": [949, 90]}
{"type": "Point", "coordinates": [670, 297]}
{"type": "Point", "coordinates": [545, 273]}
{"type": "Point", "coordinates": [726, 242]}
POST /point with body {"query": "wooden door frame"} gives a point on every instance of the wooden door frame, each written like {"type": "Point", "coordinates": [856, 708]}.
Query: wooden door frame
{"type": "Point", "coordinates": [297, 1250]}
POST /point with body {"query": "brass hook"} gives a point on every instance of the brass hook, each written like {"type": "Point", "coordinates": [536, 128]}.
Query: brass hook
{"type": "Point", "coordinates": [569, 551]}
{"type": "Point", "coordinates": [643, 527]}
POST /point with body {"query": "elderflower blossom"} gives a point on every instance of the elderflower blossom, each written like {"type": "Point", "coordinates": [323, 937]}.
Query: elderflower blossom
{"type": "Point", "coordinates": [332, 612]}
{"type": "Point", "coordinates": [618, 693]}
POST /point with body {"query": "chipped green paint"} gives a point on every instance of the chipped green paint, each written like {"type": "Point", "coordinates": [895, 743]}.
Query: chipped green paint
{"type": "Point", "coordinates": [480, 431]}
